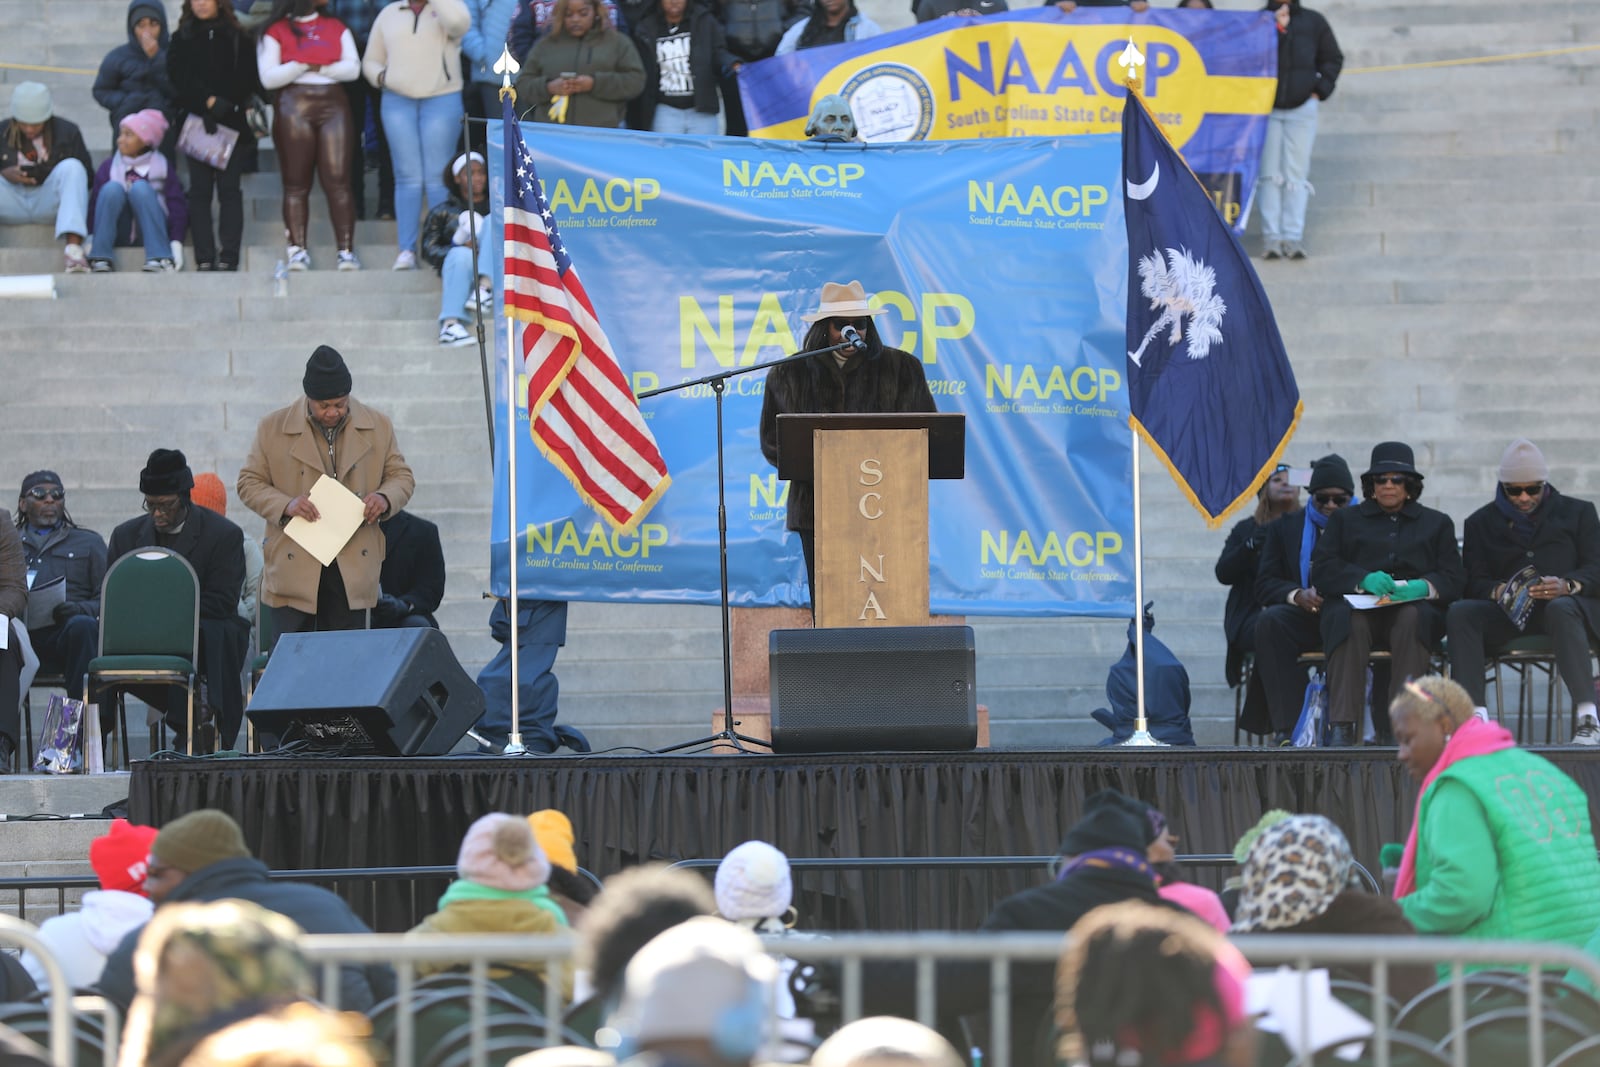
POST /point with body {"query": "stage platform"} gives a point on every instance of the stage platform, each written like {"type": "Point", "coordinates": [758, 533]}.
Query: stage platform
{"type": "Point", "coordinates": [354, 812]}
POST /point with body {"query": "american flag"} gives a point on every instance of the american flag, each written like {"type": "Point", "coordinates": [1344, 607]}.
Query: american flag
{"type": "Point", "coordinates": [585, 417]}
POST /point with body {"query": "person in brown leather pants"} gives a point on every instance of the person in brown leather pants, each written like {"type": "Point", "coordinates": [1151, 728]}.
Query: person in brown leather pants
{"type": "Point", "coordinates": [312, 129]}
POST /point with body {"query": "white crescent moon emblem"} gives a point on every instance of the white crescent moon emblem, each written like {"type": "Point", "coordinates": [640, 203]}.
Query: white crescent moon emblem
{"type": "Point", "coordinates": [1143, 191]}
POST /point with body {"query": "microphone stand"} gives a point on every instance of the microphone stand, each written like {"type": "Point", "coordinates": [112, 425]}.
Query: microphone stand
{"type": "Point", "coordinates": [718, 384]}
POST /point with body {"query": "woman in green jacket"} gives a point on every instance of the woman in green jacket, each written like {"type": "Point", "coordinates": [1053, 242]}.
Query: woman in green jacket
{"type": "Point", "coordinates": [1501, 846]}
{"type": "Point", "coordinates": [583, 72]}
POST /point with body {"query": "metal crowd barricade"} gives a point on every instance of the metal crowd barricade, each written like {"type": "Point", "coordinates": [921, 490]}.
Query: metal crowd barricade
{"type": "Point", "coordinates": [15, 933]}
{"type": "Point", "coordinates": [1003, 951]}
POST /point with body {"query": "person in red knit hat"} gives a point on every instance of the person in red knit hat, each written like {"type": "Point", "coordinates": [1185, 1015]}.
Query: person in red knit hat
{"type": "Point", "coordinates": [80, 940]}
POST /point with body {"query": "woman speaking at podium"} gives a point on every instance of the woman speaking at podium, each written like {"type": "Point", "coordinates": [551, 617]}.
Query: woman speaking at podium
{"type": "Point", "coordinates": [864, 377]}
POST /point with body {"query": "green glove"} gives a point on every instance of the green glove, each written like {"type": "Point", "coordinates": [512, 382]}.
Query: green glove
{"type": "Point", "coordinates": [1415, 589]}
{"type": "Point", "coordinates": [1378, 584]}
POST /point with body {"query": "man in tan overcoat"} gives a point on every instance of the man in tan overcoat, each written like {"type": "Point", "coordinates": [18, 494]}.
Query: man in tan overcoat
{"type": "Point", "coordinates": [330, 432]}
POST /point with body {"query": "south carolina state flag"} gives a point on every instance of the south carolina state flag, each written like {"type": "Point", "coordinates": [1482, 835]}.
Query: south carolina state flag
{"type": "Point", "coordinates": [1209, 383]}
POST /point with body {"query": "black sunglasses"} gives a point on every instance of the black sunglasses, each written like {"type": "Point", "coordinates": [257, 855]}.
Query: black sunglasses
{"type": "Point", "coordinates": [1332, 498]}
{"type": "Point", "coordinates": [1524, 490]}
{"type": "Point", "coordinates": [47, 494]}
{"type": "Point", "coordinates": [1388, 479]}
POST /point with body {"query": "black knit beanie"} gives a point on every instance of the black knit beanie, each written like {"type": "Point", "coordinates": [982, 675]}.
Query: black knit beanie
{"type": "Point", "coordinates": [1332, 472]}
{"type": "Point", "coordinates": [166, 473]}
{"type": "Point", "coordinates": [327, 378]}
{"type": "Point", "coordinates": [1110, 820]}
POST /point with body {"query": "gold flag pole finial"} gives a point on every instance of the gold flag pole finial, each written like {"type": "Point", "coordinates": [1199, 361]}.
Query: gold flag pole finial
{"type": "Point", "coordinates": [507, 68]}
{"type": "Point", "coordinates": [1130, 61]}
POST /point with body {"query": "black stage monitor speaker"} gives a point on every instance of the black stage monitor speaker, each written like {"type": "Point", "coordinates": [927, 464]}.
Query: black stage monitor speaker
{"type": "Point", "coordinates": [874, 688]}
{"type": "Point", "coordinates": [394, 692]}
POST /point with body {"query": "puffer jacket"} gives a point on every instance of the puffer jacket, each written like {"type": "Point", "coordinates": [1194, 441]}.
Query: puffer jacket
{"type": "Point", "coordinates": [131, 81]}
{"type": "Point", "coordinates": [1309, 60]}
{"type": "Point", "coordinates": [439, 228]}
{"type": "Point", "coordinates": [604, 54]}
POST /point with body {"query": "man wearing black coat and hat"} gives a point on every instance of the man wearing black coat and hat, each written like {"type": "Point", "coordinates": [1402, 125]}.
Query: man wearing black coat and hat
{"type": "Point", "coordinates": [214, 547]}
{"type": "Point", "coordinates": [1290, 623]}
{"type": "Point", "coordinates": [1392, 548]}
{"type": "Point", "coordinates": [1530, 523]}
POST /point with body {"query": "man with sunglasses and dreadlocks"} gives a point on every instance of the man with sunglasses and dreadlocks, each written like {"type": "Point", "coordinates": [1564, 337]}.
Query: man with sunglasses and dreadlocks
{"type": "Point", "coordinates": [1529, 523]}
{"type": "Point", "coordinates": [1390, 547]}
{"type": "Point", "coordinates": [59, 550]}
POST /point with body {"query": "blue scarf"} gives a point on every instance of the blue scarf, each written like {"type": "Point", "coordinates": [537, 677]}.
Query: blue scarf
{"type": "Point", "coordinates": [1114, 859]}
{"type": "Point", "coordinates": [1316, 521]}
{"type": "Point", "coordinates": [1523, 526]}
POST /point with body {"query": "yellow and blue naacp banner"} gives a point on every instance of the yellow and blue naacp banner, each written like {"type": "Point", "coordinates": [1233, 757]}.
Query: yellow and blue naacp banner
{"type": "Point", "coordinates": [1002, 265]}
{"type": "Point", "coordinates": [1210, 77]}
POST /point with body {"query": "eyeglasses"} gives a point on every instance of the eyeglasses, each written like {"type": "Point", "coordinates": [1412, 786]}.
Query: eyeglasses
{"type": "Point", "coordinates": [47, 494]}
{"type": "Point", "coordinates": [860, 324]}
{"type": "Point", "coordinates": [1388, 479]}
{"type": "Point", "coordinates": [1524, 490]}
{"type": "Point", "coordinates": [164, 507]}
{"type": "Point", "coordinates": [1340, 499]}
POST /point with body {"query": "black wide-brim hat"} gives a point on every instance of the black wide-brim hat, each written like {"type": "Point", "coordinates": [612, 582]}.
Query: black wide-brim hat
{"type": "Point", "coordinates": [1392, 457]}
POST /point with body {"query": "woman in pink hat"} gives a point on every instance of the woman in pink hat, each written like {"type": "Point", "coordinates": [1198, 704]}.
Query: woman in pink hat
{"type": "Point", "coordinates": [137, 198]}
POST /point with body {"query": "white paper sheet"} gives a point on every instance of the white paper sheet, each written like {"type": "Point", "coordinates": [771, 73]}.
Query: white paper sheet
{"type": "Point", "coordinates": [1297, 1009]}
{"type": "Point", "coordinates": [341, 516]}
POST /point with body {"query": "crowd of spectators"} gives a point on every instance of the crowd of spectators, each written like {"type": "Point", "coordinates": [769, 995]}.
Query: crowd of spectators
{"type": "Point", "coordinates": [193, 940]}
{"type": "Point", "coordinates": [358, 84]}
{"type": "Point", "coordinates": [1348, 577]}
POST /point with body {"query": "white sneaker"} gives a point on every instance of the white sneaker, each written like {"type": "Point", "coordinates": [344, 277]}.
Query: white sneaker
{"type": "Point", "coordinates": [406, 260]}
{"type": "Point", "coordinates": [177, 254]}
{"type": "Point", "coordinates": [74, 260]}
{"type": "Point", "coordinates": [348, 260]}
{"type": "Point", "coordinates": [454, 334]}
{"type": "Point", "coordinates": [299, 258]}
{"type": "Point", "coordinates": [1587, 733]}
{"type": "Point", "coordinates": [480, 301]}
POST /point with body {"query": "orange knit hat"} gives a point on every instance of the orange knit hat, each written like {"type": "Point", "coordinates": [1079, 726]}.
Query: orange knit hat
{"type": "Point", "coordinates": [209, 493]}
{"type": "Point", "coordinates": [553, 830]}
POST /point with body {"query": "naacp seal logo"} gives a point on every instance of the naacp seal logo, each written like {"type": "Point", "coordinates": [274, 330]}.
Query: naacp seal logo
{"type": "Point", "coordinates": [891, 102]}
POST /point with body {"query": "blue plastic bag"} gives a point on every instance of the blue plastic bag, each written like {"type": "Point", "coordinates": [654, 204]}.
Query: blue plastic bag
{"type": "Point", "coordinates": [1313, 714]}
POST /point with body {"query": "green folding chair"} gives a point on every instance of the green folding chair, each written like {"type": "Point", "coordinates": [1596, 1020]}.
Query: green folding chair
{"type": "Point", "coordinates": [149, 632]}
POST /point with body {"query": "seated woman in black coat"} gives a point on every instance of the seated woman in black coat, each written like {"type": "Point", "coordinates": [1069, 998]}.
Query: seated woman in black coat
{"type": "Point", "coordinates": [1403, 554]}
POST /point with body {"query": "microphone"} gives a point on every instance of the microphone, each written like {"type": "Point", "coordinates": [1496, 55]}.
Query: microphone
{"type": "Point", "coordinates": [850, 334]}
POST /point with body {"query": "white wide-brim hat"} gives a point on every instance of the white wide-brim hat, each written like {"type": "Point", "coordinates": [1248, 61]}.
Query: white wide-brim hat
{"type": "Point", "coordinates": [847, 301]}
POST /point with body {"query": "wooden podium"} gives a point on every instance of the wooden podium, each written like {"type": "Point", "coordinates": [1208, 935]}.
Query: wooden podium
{"type": "Point", "coordinates": [871, 475]}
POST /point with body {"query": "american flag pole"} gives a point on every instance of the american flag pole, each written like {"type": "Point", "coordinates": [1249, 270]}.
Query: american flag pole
{"type": "Point", "coordinates": [507, 67]}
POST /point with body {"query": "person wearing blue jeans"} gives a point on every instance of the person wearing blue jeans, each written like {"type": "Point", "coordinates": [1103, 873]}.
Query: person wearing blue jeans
{"type": "Point", "coordinates": [44, 171]}
{"type": "Point", "coordinates": [684, 52]}
{"type": "Point", "coordinates": [136, 195]}
{"type": "Point", "coordinates": [447, 244]}
{"type": "Point", "coordinates": [541, 631]}
{"type": "Point", "coordinates": [414, 57]}
{"type": "Point", "coordinates": [1309, 62]}
{"type": "Point", "coordinates": [422, 134]}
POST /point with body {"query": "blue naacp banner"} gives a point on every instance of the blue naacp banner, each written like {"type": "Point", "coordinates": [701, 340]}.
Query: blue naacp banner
{"type": "Point", "coordinates": [1002, 265]}
{"type": "Point", "coordinates": [1209, 77]}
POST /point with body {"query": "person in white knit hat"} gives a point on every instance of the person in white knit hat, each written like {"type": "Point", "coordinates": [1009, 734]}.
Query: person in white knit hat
{"type": "Point", "coordinates": [1529, 524]}
{"type": "Point", "coordinates": [754, 888]}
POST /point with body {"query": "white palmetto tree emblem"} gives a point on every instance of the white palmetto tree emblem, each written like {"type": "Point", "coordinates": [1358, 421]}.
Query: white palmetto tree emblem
{"type": "Point", "coordinates": [1180, 286]}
